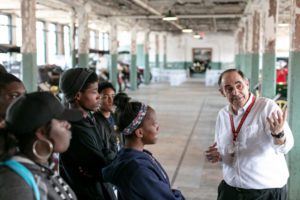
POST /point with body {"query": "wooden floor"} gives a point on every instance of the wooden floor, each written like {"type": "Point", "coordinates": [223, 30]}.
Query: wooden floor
{"type": "Point", "coordinates": [186, 115]}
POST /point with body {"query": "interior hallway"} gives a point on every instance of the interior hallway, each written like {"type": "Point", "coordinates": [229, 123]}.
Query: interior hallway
{"type": "Point", "coordinates": [186, 115]}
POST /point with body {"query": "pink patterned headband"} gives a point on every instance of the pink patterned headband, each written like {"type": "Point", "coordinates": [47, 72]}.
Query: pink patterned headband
{"type": "Point", "coordinates": [137, 121]}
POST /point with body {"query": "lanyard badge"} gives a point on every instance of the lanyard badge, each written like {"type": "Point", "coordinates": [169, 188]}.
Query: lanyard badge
{"type": "Point", "coordinates": [235, 132]}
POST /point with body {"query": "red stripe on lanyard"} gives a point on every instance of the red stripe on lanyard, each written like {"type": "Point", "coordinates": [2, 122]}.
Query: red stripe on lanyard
{"type": "Point", "coordinates": [236, 132]}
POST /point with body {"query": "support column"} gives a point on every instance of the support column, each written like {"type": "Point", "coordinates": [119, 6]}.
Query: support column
{"type": "Point", "coordinates": [293, 101]}
{"type": "Point", "coordinates": [72, 37]}
{"type": "Point", "coordinates": [165, 52]}
{"type": "Point", "coordinates": [157, 51]}
{"type": "Point", "coordinates": [83, 38]}
{"type": "Point", "coordinates": [269, 55]}
{"type": "Point", "coordinates": [113, 53]}
{"type": "Point", "coordinates": [255, 50]}
{"type": "Point", "coordinates": [133, 70]}
{"type": "Point", "coordinates": [28, 50]}
{"type": "Point", "coordinates": [147, 71]}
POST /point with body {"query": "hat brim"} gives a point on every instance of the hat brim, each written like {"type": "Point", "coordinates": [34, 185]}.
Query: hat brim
{"type": "Point", "coordinates": [71, 115]}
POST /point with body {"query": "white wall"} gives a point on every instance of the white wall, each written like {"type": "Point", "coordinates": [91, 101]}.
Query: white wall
{"type": "Point", "coordinates": [282, 41]}
{"type": "Point", "coordinates": [179, 47]}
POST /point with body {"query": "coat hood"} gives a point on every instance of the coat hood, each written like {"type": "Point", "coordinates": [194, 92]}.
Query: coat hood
{"type": "Point", "coordinates": [126, 160]}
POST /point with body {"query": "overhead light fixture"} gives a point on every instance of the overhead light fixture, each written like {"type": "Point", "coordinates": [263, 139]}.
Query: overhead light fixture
{"type": "Point", "coordinates": [283, 25]}
{"type": "Point", "coordinates": [199, 35]}
{"type": "Point", "coordinates": [187, 30]}
{"type": "Point", "coordinates": [170, 17]}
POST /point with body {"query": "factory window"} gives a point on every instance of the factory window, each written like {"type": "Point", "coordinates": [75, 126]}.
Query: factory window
{"type": "Point", "coordinates": [52, 43]}
{"type": "Point", "coordinates": [40, 43]}
{"type": "Point", "coordinates": [5, 29]}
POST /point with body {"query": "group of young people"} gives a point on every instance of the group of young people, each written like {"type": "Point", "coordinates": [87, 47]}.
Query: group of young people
{"type": "Point", "coordinates": [100, 138]}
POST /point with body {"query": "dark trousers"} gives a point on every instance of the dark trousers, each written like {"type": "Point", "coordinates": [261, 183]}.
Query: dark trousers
{"type": "Point", "coordinates": [227, 192]}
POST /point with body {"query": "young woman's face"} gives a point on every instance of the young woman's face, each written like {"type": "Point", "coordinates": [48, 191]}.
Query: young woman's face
{"type": "Point", "coordinates": [106, 99]}
{"type": "Point", "coordinates": [90, 98]}
{"type": "Point", "coordinates": [60, 135]}
{"type": "Point", "coordinates": [150, 127]}
{"type": "Point", "coordinates": [9, 93]}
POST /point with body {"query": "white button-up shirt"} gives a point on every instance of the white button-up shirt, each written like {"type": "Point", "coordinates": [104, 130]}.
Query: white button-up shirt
{"type": "Point", "coordinates": [254, 161]}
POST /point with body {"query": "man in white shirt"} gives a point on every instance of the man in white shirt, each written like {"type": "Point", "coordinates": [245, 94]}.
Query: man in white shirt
{"type": "Point", "coordinates": [251, 140]}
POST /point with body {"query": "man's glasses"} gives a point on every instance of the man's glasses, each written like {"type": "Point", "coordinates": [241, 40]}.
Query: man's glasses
{"type": "Point", "coordinates": [229, 88]}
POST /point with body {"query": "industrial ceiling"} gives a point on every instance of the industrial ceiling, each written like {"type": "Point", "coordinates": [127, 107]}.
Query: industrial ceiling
{"type": "Point", "coordinates": [199, 15]}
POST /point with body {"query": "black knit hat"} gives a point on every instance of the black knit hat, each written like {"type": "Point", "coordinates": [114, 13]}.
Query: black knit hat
{"type": "Point", "coordinates": [103, 85]}
{"type": "Point", "coordinates": [73, 80]}
{"type": "Point", "coordinates": [34, 110]}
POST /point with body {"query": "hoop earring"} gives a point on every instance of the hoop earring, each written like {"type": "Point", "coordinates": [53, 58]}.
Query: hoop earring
{"type": "Point", "coordinates": [40, 143]}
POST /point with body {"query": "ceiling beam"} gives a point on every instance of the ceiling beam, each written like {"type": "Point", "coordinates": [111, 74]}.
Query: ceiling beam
{"type": "Point", "coordinates": [216, 16]}
{"type": "Point", "coordinates": [152, 10]}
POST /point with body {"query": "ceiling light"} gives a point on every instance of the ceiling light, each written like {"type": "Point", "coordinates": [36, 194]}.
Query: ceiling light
{"type": "Point", "coordinates": [187, 30]}
{"type": "Point", "coordinates": [170, 17]}
{"type": "Point", "coordinates": [283, 25]}
{"type": "Point", "coordinates": [197, 36]}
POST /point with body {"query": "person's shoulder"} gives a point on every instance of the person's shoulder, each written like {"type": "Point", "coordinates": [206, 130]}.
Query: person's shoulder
{"type": "Point", "coordinates": [265, 105]}
{"type": "Point", "coordinates": [98, 114]}
{"type": "Point", "coordinates": [12, 186]}
{"type": "Point", "coordinates": [82, 126]}
{"type": "Point", "coordinates": [100, 118]}
{"type": "Point", "coordinates": [265, 101]}
{"type": "Point", "coordinates": [134, 158]}
{"type": "Point", "coordinates": [223, 110]}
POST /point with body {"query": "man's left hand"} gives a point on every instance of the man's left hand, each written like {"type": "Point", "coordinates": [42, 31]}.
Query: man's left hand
{"type": "Point", "coordinates": [276, 121]}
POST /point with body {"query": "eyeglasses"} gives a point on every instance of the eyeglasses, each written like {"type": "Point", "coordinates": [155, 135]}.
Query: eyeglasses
{"type": "Point", "coordinates": [229, 88]}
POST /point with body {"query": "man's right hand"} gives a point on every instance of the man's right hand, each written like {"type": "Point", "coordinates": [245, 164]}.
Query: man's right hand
{"type": "Point", "coordinates": [212, 154]}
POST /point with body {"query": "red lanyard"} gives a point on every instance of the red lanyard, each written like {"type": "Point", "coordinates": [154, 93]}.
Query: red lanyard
{"type": "Point", "coordinates": [237, 131]}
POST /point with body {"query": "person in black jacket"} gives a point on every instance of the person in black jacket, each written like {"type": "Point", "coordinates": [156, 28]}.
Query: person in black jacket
{"type": "Point", "coordinates": [135, 172]}
{"type": "Point", "coordinates": [91, 148]}
{"type": "Point", "coordinates": [105, 116]}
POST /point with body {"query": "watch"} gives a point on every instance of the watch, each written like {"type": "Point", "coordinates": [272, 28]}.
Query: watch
{"type": "Point", "coordinates": [279, 135]}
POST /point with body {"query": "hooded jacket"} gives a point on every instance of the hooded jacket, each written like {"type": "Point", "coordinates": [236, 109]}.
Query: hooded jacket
{"type": "Point", "coordinates": [90, 150]}
{"type": "Point", "coordinates": [139, 176]}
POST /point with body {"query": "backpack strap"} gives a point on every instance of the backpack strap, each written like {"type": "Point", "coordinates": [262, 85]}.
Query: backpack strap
{"type": "Point", "coordinates": [22, 171]}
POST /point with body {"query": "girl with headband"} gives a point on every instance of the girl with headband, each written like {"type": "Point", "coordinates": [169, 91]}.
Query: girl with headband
{"type": "Point", "coordinates": [135, 172]}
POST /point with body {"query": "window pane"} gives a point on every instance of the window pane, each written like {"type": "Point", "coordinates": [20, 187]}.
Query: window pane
{"type": "Point", "coordinates": [67, 45]}
{"type": "Point", "coordinates": [92, 40]}
{"type": "Point", "coordinates": [76, 38]}
{"type": "Point", "coordinates": [40, 42]}
{"type": "Point", "coordinates": [4, 29]}
{"type": "Point", "coordinates": [19, 31]}
{"type": "Point", "coordinates": [106, 42]}
{"type": "Point", "coordinates": [52, 43]}
{"type": "Point", "coordinates": [101, 41]}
